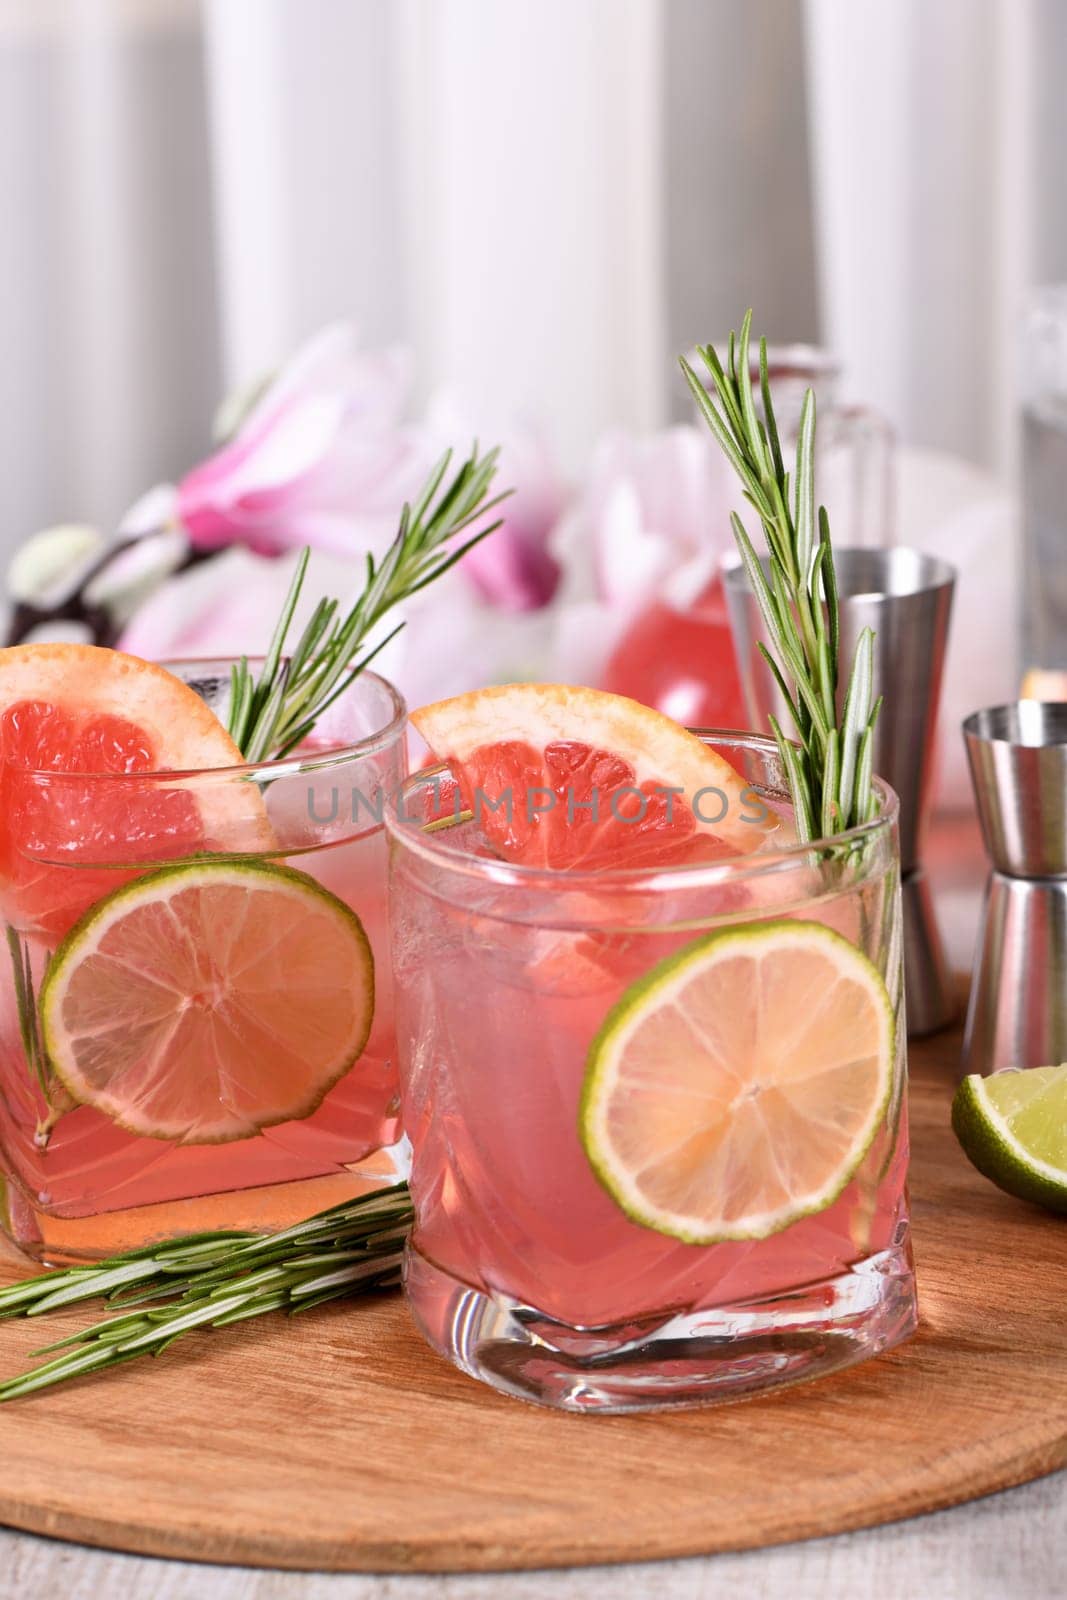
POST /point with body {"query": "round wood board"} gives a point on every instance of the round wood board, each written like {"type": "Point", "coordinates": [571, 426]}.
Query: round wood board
{"type": "Point", "coordinates": [339, 1441]}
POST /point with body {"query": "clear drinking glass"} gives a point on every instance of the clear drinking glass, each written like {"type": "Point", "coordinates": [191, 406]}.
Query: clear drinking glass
{"type": "Point", "coordinates": [522, 1269]}
{"type": "Point", "coordinates": [74, 1182]}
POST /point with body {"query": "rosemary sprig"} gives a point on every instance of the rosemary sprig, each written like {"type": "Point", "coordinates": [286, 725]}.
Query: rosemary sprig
{"type": "Point", "coordinates": [210, 1280]}
{"type": "Point", "coordinates": [829, 767]}
{"type": "Point", "coordinates": [271, 715]}
{"type": "Point", "coordinates": [26, 1007]}
{"type": "Point", "coordinates": [53, 1093]}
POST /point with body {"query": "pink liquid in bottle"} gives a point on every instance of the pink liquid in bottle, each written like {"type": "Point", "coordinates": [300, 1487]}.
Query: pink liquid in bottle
{"type": "Point", "coordinates": [681, 662]}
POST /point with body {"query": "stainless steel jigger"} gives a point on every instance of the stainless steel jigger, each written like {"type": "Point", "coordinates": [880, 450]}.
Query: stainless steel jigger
{"type": "Point", "coordinates": [906, 597]}
{"type": "Point", "coordinates": [1017, 1015]}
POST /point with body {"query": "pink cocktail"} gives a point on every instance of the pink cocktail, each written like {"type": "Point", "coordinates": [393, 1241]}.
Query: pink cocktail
{"type": "Point", "coordinates": [77, 1180]}
{"type": "Point", "coordinates": [524, 1266]}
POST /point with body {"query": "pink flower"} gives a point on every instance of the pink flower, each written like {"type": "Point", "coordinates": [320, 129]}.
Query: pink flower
{"type": "Point", "coordinates": [514, 569]}
{"type": "Point", "coordinates": [451, 641]}
{"type": "Point", "coordinates": [228, 606]}
{"type": "Point", "coordinates": [322, 458]}
{"type": "Point", "coordinates": [655, 515]}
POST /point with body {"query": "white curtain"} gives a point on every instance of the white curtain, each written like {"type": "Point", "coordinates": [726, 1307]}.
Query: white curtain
{"type": "Point", "coordinates": [925, 133]}
{"type": "Point", "coordinates": [545, 198]}
{"type": "Point", "coordinates": [483, 180]}
{"type": "Point", "coordinates": [108, 330]}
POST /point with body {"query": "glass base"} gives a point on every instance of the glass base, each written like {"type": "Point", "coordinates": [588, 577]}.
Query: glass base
{"type": "Point", "coordinates": [66, 1241]}
{"type": "Point", "coordinates": [692, 1358]}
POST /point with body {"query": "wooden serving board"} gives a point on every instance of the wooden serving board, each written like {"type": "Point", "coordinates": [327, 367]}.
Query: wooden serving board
{"type": "Point", "coordinates": [339, 1441]}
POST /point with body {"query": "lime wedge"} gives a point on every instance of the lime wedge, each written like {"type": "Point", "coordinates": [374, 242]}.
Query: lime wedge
{"type": "Point", "coordinates": [206, 1001]}
{"type": "Point", "coordinates": [737, 1086]}
{"type": "Point", "coordinates": [1013, 1127]}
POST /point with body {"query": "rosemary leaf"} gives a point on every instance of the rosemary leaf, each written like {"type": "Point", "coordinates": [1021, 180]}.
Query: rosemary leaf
{"type": "Point", "coordinates": [831, 809]}
{"type": "Point", "coordinates": [826, 575]}
{"type": "Point", "coordinates": [864, 801]}
{"type": "Point", "coordinates": [829, 774]}
{"type": "Point", "coordinates": [91, 1286]}
{"type": "Point", "coordinates": [281, 627]}
{"type": "Point", "coordinates": [768, 412]}
{"type": "Point", "coordinates": [783, 687]}
{"type": "Point", "coordinates": [753, 433]}
{"type": "Point", "coordinates": [805, 486]}
{"type": "Point", "coordinates": [854, 724]}
{"type": "Point", "coordinates": [798, 785]}
{"type": "Point", "coordinates": [23, 1004]}
{"type": "Point", "coordinates": [863, 766]}
{"type": "Point", "coordinates": [711, 360]}
{"type": "Point", "coordinates": [70, 1365]}
{"type": "Point", "coordinates": [29, 1027]}
{"type": "Point", "coordinates": [772, 621]}
{"type": "Point", "coordinates": [163, 1292]}
{"type": "Point", "coordinates": [270, 715]}
{"type": "Point", "coordinates": [722, 433]}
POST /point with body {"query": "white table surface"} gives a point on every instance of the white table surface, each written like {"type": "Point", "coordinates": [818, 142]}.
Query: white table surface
{"type": "Point", "coordinates": [1010, 1546]}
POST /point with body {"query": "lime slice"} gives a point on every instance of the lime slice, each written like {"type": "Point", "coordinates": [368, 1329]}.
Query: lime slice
{"type": "Point", "coordinates": [737, 1086]}
{"type": "Point", "coordinates": [1013, 1126]}
{"type": "Point", "coordinates": [206, 1001]}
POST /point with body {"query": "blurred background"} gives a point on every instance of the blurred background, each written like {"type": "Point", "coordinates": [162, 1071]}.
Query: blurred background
{"type": "Point", "coordinates": [534, 206]}
{"type": "Point", "coordinates": [545, 199]}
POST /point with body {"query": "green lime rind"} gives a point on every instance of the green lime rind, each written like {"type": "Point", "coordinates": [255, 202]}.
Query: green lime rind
{"type": "Point", "coordinates": [75, 945]}
{"type": "Point", "coordinates": [635, 1003]}
{"type": "Point", "coordinates": [1013, 1128]}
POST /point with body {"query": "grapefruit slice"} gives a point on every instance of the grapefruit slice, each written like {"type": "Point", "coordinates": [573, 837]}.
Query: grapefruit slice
{"type": "Point", "coordinates": [208, 1000]}
{"type": "Point", "coordinates": [566, 777]}
{"type": "Point", "coordinates": [737, 1086]}
{"type": "Point", "coordinates": [71, 713]}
